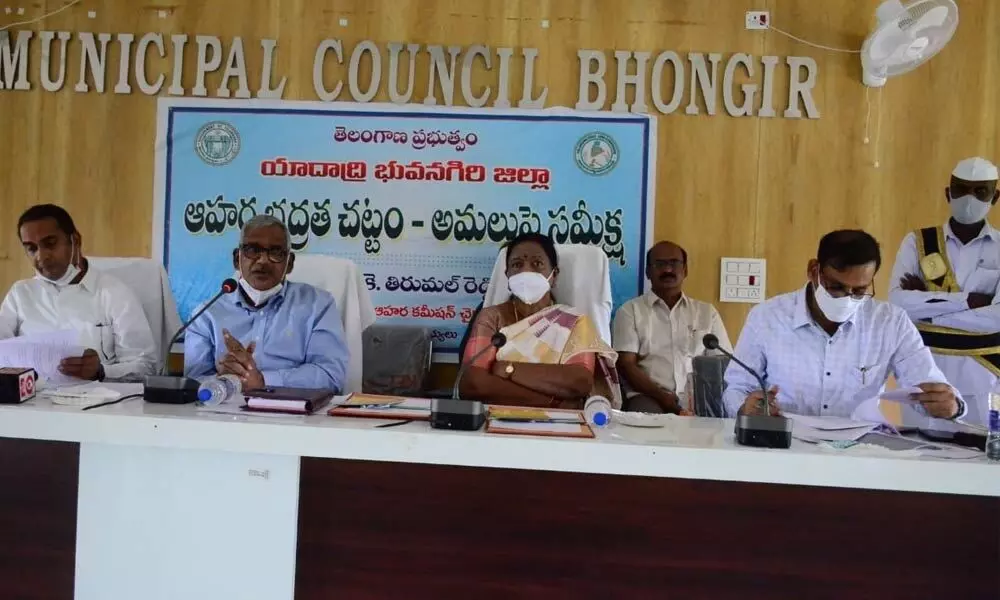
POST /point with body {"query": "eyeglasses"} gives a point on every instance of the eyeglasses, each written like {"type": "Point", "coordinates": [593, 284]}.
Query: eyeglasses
{"type": "Point", "coordinates": [673, 263]}
{"type": "Point", "coordinates": [275, 254]}
{"type": "Point", "coordinates": [839, 290]}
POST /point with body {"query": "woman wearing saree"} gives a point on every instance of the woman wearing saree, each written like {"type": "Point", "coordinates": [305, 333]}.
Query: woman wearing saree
{"type": "Point", "coordinates": [553, 357]}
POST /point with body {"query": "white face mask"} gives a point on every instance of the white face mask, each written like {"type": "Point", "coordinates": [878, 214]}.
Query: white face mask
{"type": "Point", "coordinates": [71, 271]}
{"type": "Point", "coordinates": [529, 287]}
{"type": "Point", "coordinates": [260, 297]}
{"type": "Point", "coordinates": [837, 310]}
{"type": "Point", "coordinates": [968, 209]}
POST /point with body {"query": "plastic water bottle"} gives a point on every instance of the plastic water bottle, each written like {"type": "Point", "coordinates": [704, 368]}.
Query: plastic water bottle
{"type": "Point", "coordinates": [993, 437]}
{"type": "Point", "coordinates": [216, 390]}
{"type": "Point", "coordinates": [597, 411]}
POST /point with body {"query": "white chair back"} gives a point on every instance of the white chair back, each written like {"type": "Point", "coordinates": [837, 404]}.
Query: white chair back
{"type": "Point", "coordinates": [342, 278]}
{"type": "Point", "coordinates": [584, 282]}
{"type": "Point", "coordinates": [148, 280]}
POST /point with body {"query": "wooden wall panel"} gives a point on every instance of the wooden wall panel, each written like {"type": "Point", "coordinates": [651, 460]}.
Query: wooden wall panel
{"type": "Point", "coordinates": [390, 530]}
{"type": "Point", "coordinates": [725, 186]}
{"type": "Point", "coordinates": [38, 483]}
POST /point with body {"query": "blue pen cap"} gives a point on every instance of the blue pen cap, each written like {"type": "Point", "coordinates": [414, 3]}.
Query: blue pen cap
{"type": "Point", "coordinates": [600, 419]}
{"type": "Point", "coordinates": [204, 395]}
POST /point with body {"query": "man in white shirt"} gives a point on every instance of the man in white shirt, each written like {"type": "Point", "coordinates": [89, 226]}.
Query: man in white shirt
{"type": "Point", "coordinates": [657, 334]}
{"type": "Point", "coordinates": [946, 278]}
{"type": "Point", "coordinates": [828, 348]}
{"type": "Point", "coordinates": [67, 294]}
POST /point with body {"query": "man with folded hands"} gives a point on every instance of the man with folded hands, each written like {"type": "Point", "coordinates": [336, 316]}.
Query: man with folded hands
{"type": "Point", "coordinates": [270, 332]}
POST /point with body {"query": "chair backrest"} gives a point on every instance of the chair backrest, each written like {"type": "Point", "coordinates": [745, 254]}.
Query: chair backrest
{"type": "Point", "coordinates": [584, 283]}
{"type": "Point", "coordinates": [709, 383]}
{"type": "Point", "coordinates": [397, 359]}
{"type": "Point", "coordinates": [342, 278]}
{"type": "Point", "coordinates": [148, 280]}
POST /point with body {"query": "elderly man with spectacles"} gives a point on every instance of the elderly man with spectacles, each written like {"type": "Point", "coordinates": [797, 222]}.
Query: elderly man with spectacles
{"type": "Point", "coordinates": [271, 332]}
{"type": "Point", "coordinates": [829, 347]}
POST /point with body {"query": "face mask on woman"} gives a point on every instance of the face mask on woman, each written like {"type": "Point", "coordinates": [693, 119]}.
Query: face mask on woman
{"type": "Point", "coordinates": [529, 287]}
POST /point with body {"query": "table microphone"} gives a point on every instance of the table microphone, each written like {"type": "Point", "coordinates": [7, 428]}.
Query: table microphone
{"type": "Point", "coordinates": [764, 431]}
{"type": "Point", "coordinates": [459, 414]}
{"type": "Point", "coordinates": [163, 388]}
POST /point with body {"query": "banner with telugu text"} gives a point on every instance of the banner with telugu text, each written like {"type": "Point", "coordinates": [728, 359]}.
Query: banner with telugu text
{"type": "Point", "coordinates": [421, 198]}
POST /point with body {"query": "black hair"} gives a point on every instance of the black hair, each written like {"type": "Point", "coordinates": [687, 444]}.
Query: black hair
{"type": "Point", "coordinates": [548, 246]}
{"type": "Point", "coordinates": [39, 212]}
{"type": "Point", "coordinates": [649, 253]}
{"type": "Point", "coordinates": [847, 248]}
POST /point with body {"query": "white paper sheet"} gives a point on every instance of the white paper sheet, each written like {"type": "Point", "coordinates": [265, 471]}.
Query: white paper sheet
{"type": "Point", "coordinates": [827, 429]}
{"type": "Point", "coordinates": [81, 395]}
{"type": "Point", "coordinates": [908, 445]}
{"type": "Point", "coordinates": [814, 436]}
{"type": "Point", "coordinates": [828, 423]}
{"type": "Point", "coordinates": [951, 452]}
{"type": "Point", "coordinates": [901, 395]}
{"type": "Point", "coordinates": [42, 352]}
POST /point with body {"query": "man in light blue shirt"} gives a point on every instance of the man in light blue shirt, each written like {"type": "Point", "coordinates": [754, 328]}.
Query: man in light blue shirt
{"type": "Point", "coordinates": [828, 348]}
{"type": "Point", "coordinates": [270, 332]}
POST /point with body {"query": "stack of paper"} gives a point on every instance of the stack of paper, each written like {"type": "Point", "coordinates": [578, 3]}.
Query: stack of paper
{"type": "Point", "coordinates": [861, 435]}
{"type": "Point", "coordinates": [382, 407]}
{"type": "Point", "coordinates": [538, 421]}
{"type": "Point", "coordinates": [81, 395]}
{"type": "Point", "coordinates": [42, 352]}
{"type": "Point", "coordinates": [827, 429]}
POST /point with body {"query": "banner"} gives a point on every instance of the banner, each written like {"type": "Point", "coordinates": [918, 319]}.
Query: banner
{"type": "Point", "coordinates": [421, 198]}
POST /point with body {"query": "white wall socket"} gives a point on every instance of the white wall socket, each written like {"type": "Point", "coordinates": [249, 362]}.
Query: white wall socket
{"type": "Point", "coordinates": [758, 19]}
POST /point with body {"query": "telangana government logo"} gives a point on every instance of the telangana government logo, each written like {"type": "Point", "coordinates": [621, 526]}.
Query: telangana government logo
{"type": "Point", "coordinates": [217, 143]}
{"type": "Point", "coordinates": [596, 153]}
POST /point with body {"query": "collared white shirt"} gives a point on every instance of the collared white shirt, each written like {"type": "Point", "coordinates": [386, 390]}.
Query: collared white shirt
{"type": "Point", "coordinates": [820, 374]}
{"type": "Point", "coordinates": [100, 307]}
{"type": "Point", "coordinates": [666, 339]}
{"type": "Point", "coordinates": [977, 269]}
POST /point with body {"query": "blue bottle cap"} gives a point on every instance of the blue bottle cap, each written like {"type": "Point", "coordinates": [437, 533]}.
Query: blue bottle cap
{"type": "Point", "coordinates": [204, 395]}
{"type": "Point", "coordinates": [600, 419]}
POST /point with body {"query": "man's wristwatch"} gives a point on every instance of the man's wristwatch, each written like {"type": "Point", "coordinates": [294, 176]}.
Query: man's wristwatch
{"type": "Point", "coordinates": [959, 411]}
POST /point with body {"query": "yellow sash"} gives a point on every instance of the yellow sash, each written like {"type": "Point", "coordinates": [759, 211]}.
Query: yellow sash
{"type": "Point", "coordinates": [934, 265]}
{"type": "Point", "coordinates": [939, 277]}
{"type": "Point", "coordinates": [984, 347]}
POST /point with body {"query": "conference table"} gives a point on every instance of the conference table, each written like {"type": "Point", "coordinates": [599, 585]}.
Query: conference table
{"type": "Point", "coordinates": [144, 501]}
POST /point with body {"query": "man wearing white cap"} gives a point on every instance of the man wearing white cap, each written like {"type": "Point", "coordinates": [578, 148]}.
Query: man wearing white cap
{"type": "Point", "coordinates": [946, 279]}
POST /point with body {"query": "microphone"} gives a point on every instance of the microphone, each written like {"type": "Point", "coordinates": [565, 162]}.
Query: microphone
{"type": "Point", "coordinates": [228, 287]}
{"type": "Point", "coordinates": [764, 431]}
{"type": "Point", "coordinates": [164, 388]}
{"type": "Point", "coordinates": [455, 413]}
{"type": "Point", "coordinates": [497, 341]}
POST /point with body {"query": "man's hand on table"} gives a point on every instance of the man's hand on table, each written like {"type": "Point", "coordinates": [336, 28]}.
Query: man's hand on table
{"type": "Point", "coordinates": [87, 366]}
{"type": "Point", "coordinates": [754, 405]}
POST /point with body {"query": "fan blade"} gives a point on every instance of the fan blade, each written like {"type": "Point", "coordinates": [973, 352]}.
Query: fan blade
{"type": "Point", "coordinates": [935, 17]}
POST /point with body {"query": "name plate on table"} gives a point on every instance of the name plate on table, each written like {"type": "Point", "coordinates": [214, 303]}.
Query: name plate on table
{"type": "Point", "coordinates": [17, 384]}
